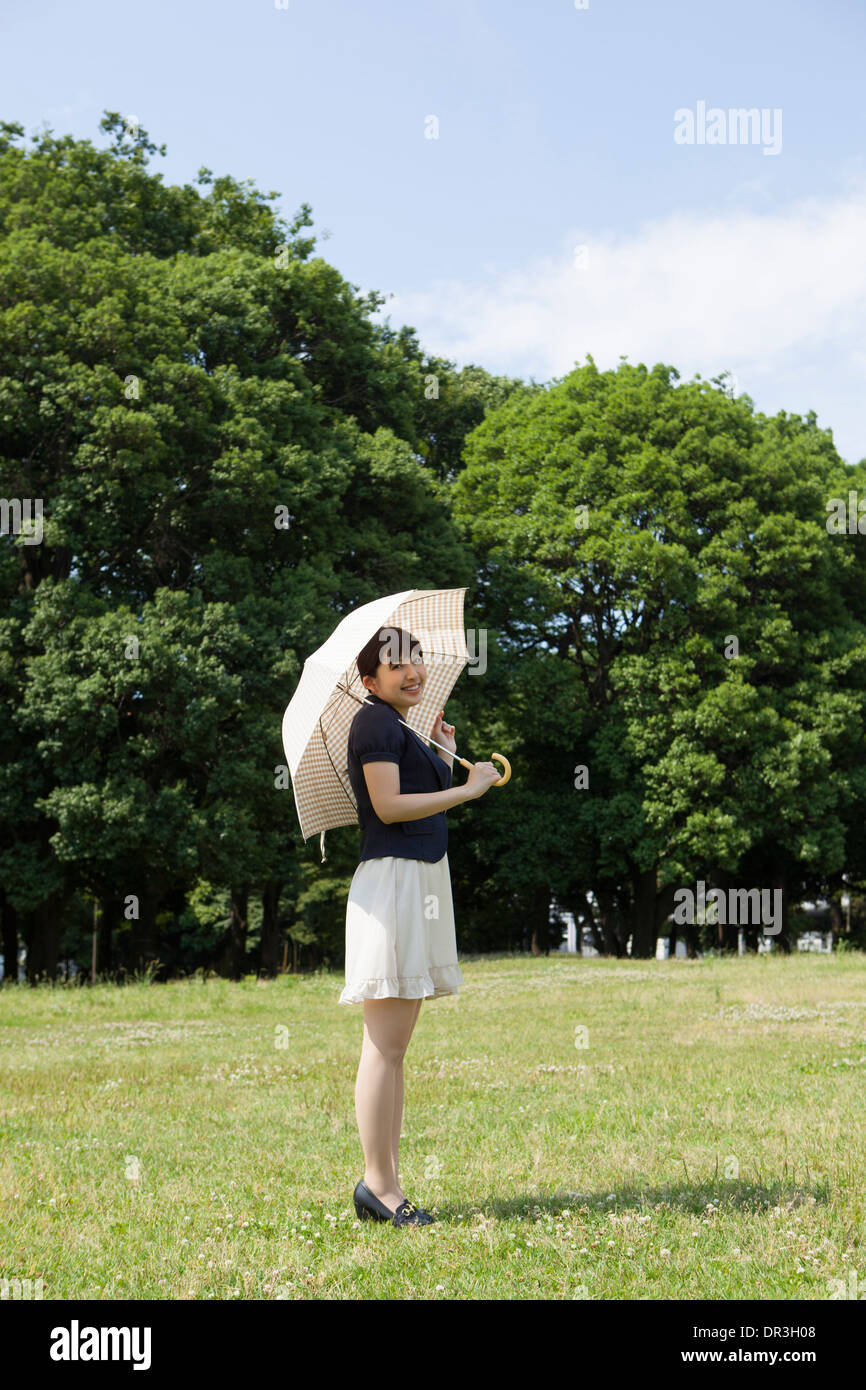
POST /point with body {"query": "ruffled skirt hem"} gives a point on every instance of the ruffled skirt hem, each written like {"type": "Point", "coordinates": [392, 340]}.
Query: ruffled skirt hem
{"type": "Point", "coordinates": [439, 980]}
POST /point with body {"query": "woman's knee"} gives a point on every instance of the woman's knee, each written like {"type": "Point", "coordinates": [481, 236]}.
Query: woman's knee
{"type": "Point", "coordinates": [388, 1026]}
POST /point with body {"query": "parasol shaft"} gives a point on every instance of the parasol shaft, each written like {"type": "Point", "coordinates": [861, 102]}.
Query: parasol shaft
{"type": "Point", "coordinates": [461, 761]}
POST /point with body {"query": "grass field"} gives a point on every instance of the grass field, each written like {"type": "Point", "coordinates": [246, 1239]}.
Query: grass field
{"type": "Point", "coordinates": [580, 1128]}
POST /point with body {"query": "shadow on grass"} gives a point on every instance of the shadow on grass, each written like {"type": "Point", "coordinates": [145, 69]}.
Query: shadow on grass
{"type": "Point", "coordinates": [689, 1198]}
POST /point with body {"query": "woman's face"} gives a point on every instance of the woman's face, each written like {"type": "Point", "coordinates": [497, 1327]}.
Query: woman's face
{"type": "Point", "coordinates": [400, 685]}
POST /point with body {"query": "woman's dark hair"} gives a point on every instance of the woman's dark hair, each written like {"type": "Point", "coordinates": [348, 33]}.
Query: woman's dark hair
{"type": "Point", "coordinates": [388, 644]}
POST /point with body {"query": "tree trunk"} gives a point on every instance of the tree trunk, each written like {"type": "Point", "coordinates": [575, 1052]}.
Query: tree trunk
{"type": "Point", "coordinates": [539, 915]}
{"type": "Point", "coordinates": [727, 933]}
{"type": "Point", "coordinates": [10, 939]}
{"type": "Point", "coordinates": [837, 922]}
{"type": "Point", "coordinates": [270, 948]}
{"type": "Point", "coordinates": [665, 904]}
{"type": "Point", "coordinates": [611, 927]}
{"type": "Point", "coordinates": [780, 881]}
{"type": "Point", "coordinates": [94, 954]}
{"type": "Point", "coordinates": [238, 932]}
{"type": "Point", "coordinates": [144, 936]}
{"type": "Point", "coordinates": [109, 912]}
{"type": "Point", "coordinates": [643, 916]}
{"type": "Point", "coordinates": [43, 939]}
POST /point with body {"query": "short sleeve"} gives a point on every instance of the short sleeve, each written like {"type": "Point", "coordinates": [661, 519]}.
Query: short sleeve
{"type": "Point", "coordinates": [376, 738]}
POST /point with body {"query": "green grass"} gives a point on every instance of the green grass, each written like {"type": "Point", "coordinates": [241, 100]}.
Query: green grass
{"type": "Point", "coordinates": [707, 1143]}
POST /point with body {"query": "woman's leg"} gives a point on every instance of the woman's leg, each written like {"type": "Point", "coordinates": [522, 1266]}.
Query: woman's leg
{"type": "Point", "coordinates": [388, 1025]}
{"type": "Point", "coordinates": [398, 1101]}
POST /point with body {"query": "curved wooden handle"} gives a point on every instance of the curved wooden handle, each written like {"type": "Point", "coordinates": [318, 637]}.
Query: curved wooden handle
{"type": "Point", "coordinates": [497, 757]}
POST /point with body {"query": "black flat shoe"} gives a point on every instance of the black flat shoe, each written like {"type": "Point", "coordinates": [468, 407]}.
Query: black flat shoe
{"type": "Point", "coordinates": [368, 1207]}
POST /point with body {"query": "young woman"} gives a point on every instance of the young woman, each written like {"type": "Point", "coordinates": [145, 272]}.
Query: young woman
{"type": "Point", "coordinates": [401, 946]}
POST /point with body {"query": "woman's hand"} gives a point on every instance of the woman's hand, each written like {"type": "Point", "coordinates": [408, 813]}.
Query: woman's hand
{"type": "Point", "coordinates": [444, 733]}
{"type": "Point", "coordinates": [481, 778]}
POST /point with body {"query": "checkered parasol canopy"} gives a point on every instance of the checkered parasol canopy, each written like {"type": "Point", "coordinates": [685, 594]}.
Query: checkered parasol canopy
{"type": "Point", "coordinates": [317, 720]}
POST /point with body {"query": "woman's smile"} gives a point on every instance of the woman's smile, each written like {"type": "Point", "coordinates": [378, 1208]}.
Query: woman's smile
{"type": "Point", "coordinates": [403, 689]}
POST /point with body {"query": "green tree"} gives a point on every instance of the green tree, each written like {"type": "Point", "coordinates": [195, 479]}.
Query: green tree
{"type": "Point", "coordinates": [709, 619]}
{"type": "Point", "coordinates": [228, 449]}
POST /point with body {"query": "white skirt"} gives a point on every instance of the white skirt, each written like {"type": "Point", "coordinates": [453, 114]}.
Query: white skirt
{"type": "Point", "coordinates": [401, 941]}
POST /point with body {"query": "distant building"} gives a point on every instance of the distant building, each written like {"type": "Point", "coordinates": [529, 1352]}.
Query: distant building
{"type": "Point", "coordinates": [570, 932]}
{"type": "Point", "coordinates": [21, 973]}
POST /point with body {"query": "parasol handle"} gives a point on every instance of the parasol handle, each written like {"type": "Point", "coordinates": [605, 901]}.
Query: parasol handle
{"type": "Point", "coordinates": [494, 757]}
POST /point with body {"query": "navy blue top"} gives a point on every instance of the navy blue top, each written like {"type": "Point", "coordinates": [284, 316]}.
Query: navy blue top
{"type": "Point", "coordinates": [377, 736]}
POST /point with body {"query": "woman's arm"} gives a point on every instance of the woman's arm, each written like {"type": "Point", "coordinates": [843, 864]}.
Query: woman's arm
{"type": "Point", "coordinates": [390, 805]}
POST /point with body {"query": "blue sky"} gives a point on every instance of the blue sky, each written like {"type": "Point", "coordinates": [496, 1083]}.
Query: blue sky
{"type": "Point", "coordinates": [555, 215]}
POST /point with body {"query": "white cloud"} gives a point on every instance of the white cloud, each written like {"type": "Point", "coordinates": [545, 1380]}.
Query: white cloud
{"type": "Point", "coordinates": [777, 298]}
